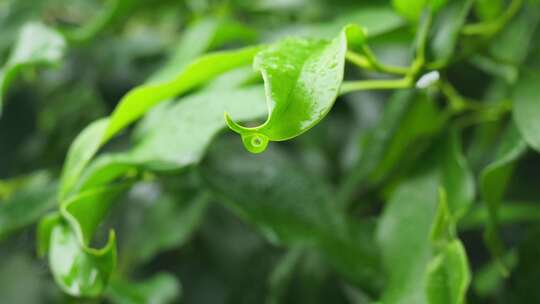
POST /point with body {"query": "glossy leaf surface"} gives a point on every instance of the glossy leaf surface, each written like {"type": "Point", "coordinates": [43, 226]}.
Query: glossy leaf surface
{"type": "Point", "coordinates": [302, 79]}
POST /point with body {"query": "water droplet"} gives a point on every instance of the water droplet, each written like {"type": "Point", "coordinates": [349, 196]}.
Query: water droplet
{"type": "Point", "coordinates": [255, 142]}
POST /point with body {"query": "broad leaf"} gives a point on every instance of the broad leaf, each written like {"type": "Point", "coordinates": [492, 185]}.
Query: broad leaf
{"type": "Point", "coordinates": [167, 223]}
{"type": "Point", "coordinates": [405, 248]}
{"type": "Point", "coordinates": [162, 288]}
{"type": "Point", "coordinates": [302, 80]}
{"type": "Point", "coordinates": [433, 199]}
{"type": "Point", "coordinates": [448, 275]}
{"type": "Point", "coordinates": [27, 204]}
{"type": "Point", "coordinates": [494, 182]}
{"type": "Point", "coordinates": [298, 212]}
{"type": "Point", "coordinates": [37, 45]}
{"type": "Point", "coordinates": [527, 109]}
{"type": "Point", "coordinates": [180, 138]}
{"type": "Point", "coordinates": [408, 119]}
{"type": "Point", "coordinates": [448, 26]}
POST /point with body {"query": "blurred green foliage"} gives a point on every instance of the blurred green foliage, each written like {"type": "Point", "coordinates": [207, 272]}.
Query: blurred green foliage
{"type": "Point", "coordinates": [396, 151]}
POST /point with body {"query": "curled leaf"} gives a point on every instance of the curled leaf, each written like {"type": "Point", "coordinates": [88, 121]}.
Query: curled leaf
{"type": "Point", "coordinates": [79, 269]}
{"type": "Point", "coordinates": [302, 80]}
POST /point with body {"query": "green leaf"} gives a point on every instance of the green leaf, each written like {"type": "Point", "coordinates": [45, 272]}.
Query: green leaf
{"type": "Point", "coordinates": [138, 101]}
{"type": "Point", "coordinates": [296, 213]}
{"type": "Point", "coordinates": [412, 9]}
{"type": "Point", "coordinates": [456, 176]}
{"type": "Point", "coordinates": [398, 137]}
{"type": "Point", "coordinates": [77, 268]}
{"type": "Point", "coordinates": [405, 248]}
{"type": "Point", "coordinates": [181, 136]}
{"type": "Point", "coordinates": [488, 9]}
{"type": "Point", "coordinates": [83, 148]}
{"type": "Point", "coordinates": [433, 198]}
{"type": "Point", "coordinates": [520, 31]}
{"type": "Point", "coordinates": [37, 45]}
{"type": "Point", "coordinates": [168, 223]}
{"type": "Point", "coordinates": [112, 12]}
{"type": "Point", "coordinates": [162, 288]}
{"type": "Point", "coordinates": [302, 80]}
{"type": "Point", "coordinates": [526, 108]}
{"type": "Point", "coordinates": [443, 228]}
{"type": "Point", "coordinates": [448, 27]}
{"type": "Point", "coordinates": [27, 204]}
{"type": "Point", "coordinates": [190, 125]}
{"type": "Point", "coordinates": [448, 275]}
{"type": "Point", "coordinates": [494, 182]}
{"type": "Point", "coordinates": [376, 20]}
{"type": "Point", "coordinates": [282, 275]}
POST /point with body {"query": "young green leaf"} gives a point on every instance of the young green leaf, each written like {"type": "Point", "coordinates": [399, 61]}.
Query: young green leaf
{"type": "Point", "coordinates": [448, 27]}
{"type": "Point", "coordinates": [37, 45]}
{"type": "Point", "coordinates": [27, 204]}
{"type": "Point", "coordinates": [448, 275]}
{"type": "Point", "coordinates": [302, 80]}
{"type": "Point", "coordinates": [405, 247]}
{"type": "Point", "coordinates": [494, 182]}
{"type": "Point", "coordinates": [77, 268]}
{"type": "Point", "coordinates": [456, 176]}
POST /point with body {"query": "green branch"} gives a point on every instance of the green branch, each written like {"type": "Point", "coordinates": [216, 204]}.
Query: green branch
{"type": "Point", "coordinates": [492, 27]}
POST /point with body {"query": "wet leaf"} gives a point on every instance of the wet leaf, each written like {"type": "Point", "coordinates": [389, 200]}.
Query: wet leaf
{"type": "Point", "coordinates": [302, 79]}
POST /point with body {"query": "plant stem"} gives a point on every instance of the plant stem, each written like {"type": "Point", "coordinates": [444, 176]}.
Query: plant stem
{"type": "Point", "coordinates": [508, 213]}
{"type": "Point", "coordinates": [370, 62]}
{"type": "Point", "coordinates": [490, 28]}
{"type": "Point", "coordinates": [364, 85]}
